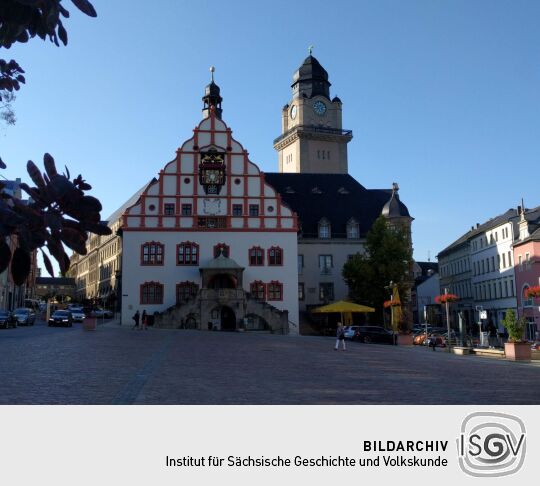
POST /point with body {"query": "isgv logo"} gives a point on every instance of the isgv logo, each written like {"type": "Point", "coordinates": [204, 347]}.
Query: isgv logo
{"type": "Point", "coordinates": [491, 444]}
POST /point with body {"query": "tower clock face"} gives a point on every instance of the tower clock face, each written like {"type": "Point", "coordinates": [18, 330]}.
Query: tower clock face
{"type": "Point", "coordinates": [319, 108]}
{"type": "Point", "coordinates": [294, 109]}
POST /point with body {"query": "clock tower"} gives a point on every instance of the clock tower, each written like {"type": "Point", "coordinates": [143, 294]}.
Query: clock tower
{"type": "Point", "coordinates": [312, 139]}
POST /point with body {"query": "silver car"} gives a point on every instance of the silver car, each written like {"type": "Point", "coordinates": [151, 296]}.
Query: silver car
{"type": "Point", "coordinates": [77, 313]}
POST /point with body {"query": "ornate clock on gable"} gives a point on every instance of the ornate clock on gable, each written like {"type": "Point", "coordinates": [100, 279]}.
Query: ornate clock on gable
{"type": "Point", "coordinates": [212, 171]}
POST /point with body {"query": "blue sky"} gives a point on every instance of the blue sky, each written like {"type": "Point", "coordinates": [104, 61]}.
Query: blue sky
{"type": "Point", "coordinates": [443, 97]}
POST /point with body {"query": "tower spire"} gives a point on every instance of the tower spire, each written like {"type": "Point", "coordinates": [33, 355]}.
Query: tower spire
{"type": "Point", "coordinates": [212, 97]}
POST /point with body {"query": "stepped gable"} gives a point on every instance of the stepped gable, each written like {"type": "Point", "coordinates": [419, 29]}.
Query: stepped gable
{"type": "Point", "coordinates": [180, 182]}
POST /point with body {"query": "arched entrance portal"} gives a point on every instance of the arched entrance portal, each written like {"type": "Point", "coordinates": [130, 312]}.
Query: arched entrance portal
{"type": "Point", "coordinates": [228, 319]}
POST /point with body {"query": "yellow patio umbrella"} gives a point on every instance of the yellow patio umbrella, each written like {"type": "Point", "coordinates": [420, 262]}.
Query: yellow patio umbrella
{"type": "Point", "coordinates": [342, 306]}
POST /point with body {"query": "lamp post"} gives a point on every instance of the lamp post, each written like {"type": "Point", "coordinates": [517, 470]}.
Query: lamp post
{"type": "Point", "coordinates": [447, 316]}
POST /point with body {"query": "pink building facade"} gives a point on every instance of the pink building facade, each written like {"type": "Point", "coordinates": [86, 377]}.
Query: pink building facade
{"type": "Point", "coordinates": [527, 272]}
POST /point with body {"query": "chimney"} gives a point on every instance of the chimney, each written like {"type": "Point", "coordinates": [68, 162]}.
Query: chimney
{"type": "Point", "coordinates": [477, 225]}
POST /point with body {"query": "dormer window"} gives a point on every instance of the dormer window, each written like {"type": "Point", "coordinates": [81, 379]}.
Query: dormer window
{"type": "Point", "coordinates": [353, 230]}
{"type": "Point", "coordinates": [324, 229]}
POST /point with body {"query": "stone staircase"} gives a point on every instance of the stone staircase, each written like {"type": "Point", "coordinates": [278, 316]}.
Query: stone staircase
{"type": "Point", "coordinates": [194, 312]}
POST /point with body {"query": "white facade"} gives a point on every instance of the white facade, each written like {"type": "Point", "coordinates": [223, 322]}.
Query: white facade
{"type": "Point", "coordinates": [493, 271]}
{"type": "Point", "coordinates": [184, 211]}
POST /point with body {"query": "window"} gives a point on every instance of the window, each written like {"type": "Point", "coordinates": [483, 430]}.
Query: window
{"type": "Point", "coordinates": [168, 209]}
{"type": "Point", "coordinates": [254, 210]}
{"type": "Point", "coordinates": [504, 260]}
{"type": "Point", "coordinates": [326, 291]}
{"type": "Point", "coordinates": [499, 295]}
{"type": "Point", "coordinates": [152, 253]}
{"type": "Point", "coordinates": [275, 290]}
{"type": "Point", "coordinates": [527, 261]}
{"type": "Point", "coordinates": [527, 302]}
{"type": "Point", "coordinates": [221, 249]}
{"type": "Point", "coordinates": [512, 293]}
{"type": "Point", "coordinates": [151, 293]}
{"type": "Point", "coordinates": [520, 263]}
{"type": "Point", "coordinates": [186, 210]}
{"type": "Point", "coordinates": [324, 229]}
{"type": "Point", "coordinates": [301, 293]}
{"type": "Point", "coordinates": [509, 259]}
{"type": "Point", "coordinates": [300, 262]}
{"type": "Point", "coordinates": [275, 256]}
{"type": "Point", "coordinates": [256, 256]}
{"type": "Point", "coordinates": [237, 210]}
{"type": "Point", "coordinates": [186, 290]}
{"type": "Point", "coordinates": [492, 263]}
{"type": "Point", "coordinates": [187, 253]}
{"type": "Point", "coordinates": [353, 230]}
{"type": "Point", "coordinates": [325, 264]}
{"type": "Point", "coordinates": [258, 290]}
{"type": "Point", "coordinates": [212, 222]}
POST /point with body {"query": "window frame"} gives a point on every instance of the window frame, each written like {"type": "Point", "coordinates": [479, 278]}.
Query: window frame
{"type": "Point", "coordinates": [192, 245]}
{"type": "Point", "coordinates": [156, 245]}
{"type": "Point", "coordinates": [277, 251]}
{"type": "Point", "coordinates": [144, 296]}
{"type": "Point", "coordinates": [186, 209]}
{"type": "Point", "coordinates": [167, 207]}
{"type": "Point", "coordinates": [257, 288]}
{"type": "Point", "coordinates": [226, 250]}
{"type": "Point", "coordinates": [274, 291]}
{"type": "Point", "coordinates": [256, 264]}
{"type": "Point", "coordinates": [192, 287]}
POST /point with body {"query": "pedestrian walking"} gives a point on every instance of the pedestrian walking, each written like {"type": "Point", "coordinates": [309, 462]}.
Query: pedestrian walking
{"type": "Point", "coordinates": [136, 318]}
{"type": "Point", "coordinates": [144, 320]}
{"type": "Point", "coordinates": [432, 342]}
{"type": "Point", "coordinates": [340, 336]}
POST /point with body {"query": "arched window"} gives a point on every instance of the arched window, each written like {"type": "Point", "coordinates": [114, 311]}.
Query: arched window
{"type": "Point", "coordinates": [275, 290]}
{"type": "Point", "coordinates": [275, 256]}
{"type": "Point", "coordinates": [256, 256]}
{"type": "Point", "coordinates": [151, 293]}
{"type": "Point", "coordinates": [324, 229]}
{"type": "Point", "coordinates": [258, 290]}
{"type": "Point", "coordinates": [186, 290]}
{"type": "Point", "coordinates": [152, 253]}
{"type": "Point", "coordinates": [187, 253]}
{"type": "Point", "coordinates": [221, 249]}
{"type": "Point", "coordinates": [353, 230]}
{"type": "Point", "coordinates": [527, 301]}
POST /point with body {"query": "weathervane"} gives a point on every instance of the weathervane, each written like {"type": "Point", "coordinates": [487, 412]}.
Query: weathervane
{"type": "Point", "coordinates": [310, 49]}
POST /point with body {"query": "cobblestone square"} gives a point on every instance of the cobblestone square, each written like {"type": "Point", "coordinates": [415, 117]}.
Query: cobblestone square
{"type": "Point", "coordinates": [116, 365]}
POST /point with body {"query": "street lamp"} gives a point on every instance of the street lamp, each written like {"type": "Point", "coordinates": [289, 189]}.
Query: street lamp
{"type": "Point", "coordinates": [447, 317]}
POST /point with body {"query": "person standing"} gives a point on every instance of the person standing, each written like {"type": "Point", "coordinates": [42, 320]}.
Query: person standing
{"type": "Point", "coordinates": [340, 336]}
{"type": "Point", "coordinates": [136, 318]}
{"type": "Point", "coordinates": [144, 320]}
{"type": "Point", "coordinates": [492, 334]}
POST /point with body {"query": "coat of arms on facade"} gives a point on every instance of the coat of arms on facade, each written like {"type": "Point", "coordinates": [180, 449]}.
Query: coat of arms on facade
{"type": "Point", "coordinates": [212, 171]}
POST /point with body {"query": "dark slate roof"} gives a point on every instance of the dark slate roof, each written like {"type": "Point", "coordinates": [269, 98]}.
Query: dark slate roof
{"type": "Point", "coordinates": [312, 78]}
{"type": "Point", "coordinates": [55, 281]}
{"type": "Point", "coordinates": [336, 197]}
{"type": "Point", "coordinates": [394, 208]}
{"type": "Point", "coordinates": [427, 266]}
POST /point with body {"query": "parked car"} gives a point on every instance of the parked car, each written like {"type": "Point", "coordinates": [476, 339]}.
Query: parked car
{"type": "Point", "coordinates": [7, 319]}
{"type": "Point", "coordinates": [77, 313]}
{"type": "Point", "coordinates": [349, 331]}
{"type": "Point", "coordinates": [374, 334]}
{"type": "Point", "coordinates": [102, 313]}
{"type": "Point", "coordinates": [61, 318]}
{"type": "Point", "coordinates": [24, 316]}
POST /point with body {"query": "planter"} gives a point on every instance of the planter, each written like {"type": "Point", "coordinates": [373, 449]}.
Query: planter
{"type": "Point", "coordinates": [90, 324]}
{"type": "Point", "coordinates": [461, 350]}
{"type": "Point", "coordinates": [517, 351]}
{"type": "Point", "coordinates": [405, 339]}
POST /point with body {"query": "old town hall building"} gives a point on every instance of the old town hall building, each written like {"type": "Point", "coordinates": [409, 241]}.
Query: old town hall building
{"type": "Point", "coordinates": [214, 243]}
